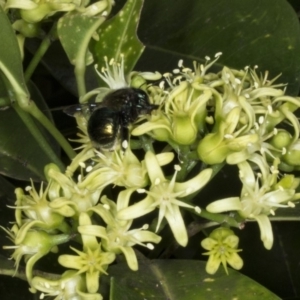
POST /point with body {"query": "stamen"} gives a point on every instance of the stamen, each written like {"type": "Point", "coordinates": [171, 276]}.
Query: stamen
{"type": "Point", "coordinates": [261, 120]}
{"type": "Point", "coordinates": [291, 204]}
{"type": "Point", "coordinates": [177, 168]}
{"type": "Point", "coordinates": [106, 206]}
{"type": "Point", "coordinates": [270, 109]}
{"type": "Point", "coordinates": [228, 136]}
{"type": "Point", "coordinates": [125, 144]}
{"type": "Point", "coordinates": [150, 246]}
{"type": "Point", "coordinates": [82, 164]}
{"type": "Point", "coordinates": [180, 63]}
{"type": "Point", "coordinates": [197, 209]}
{"type": "Point", "coordinates": [218, 54]}
{"type": "Point", "coordinates": [141, 191]}
{"type": "Point", "coordinates": [156, 181]}
{"type": "Point", "coordinates": [89, 169]}
{"type": "Point", "coordinates": [162, 85]}
{"type": "Point", "coordinates": [47, 285]}
{"type": "Point", "coordinates": [28, 188]}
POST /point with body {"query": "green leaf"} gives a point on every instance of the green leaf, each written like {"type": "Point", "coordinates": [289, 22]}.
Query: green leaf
{"type": "Point", "coordinates": [75, 31]}
{"type": "Point", "coordinates": [7, 191]}
{"type": "Point", "coordinates": [249, 32]}
{"type": "Point", "coordinates": [118, 36]}
{"type": "Point", "coordinates": [182, 280]}
{"type": "Point", "coordinates": [20, 155]}
{"type": "Point", "coordinates": [10, 58]}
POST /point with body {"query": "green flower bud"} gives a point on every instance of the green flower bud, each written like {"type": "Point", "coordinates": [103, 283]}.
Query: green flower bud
{"type": "Point", "coordinates": [211, 148]}
{"type": "Point", "coordinates": [292, 156]}
{"type": "Point", "coordinates": [28, 29]}
{"type": "Point", "coordinates": [44, 9]}
{"type": "Point", "coordinates": [184, 131]}
{"type": "Point", "coordinates": [281, 139]}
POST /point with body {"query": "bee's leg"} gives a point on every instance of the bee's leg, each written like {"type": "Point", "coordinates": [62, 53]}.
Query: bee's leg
{"type": "Point", "coordinates": [124, 134]}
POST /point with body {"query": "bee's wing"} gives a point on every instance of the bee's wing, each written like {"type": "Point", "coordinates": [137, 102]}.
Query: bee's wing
{"type": "Point", "coordinates": [85, 109]}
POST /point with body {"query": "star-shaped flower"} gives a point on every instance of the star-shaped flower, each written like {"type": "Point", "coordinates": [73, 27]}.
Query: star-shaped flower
{"type": "Point", "coordinates": [261, 195]}
{"type": "Point", "coordinates": [163, 194]}
{"type": "Point", "coordinates": [222, 244]}
{"type": "Point", "coordinates": [92, 261]}
{"type": "Point", "coordinates": [120, 238]}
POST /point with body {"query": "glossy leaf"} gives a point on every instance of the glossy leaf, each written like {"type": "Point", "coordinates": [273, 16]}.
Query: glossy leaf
{"type": "Point", "coordinates": [20, 155]}
{"type": "Point", "coordinates": [249, 32]}
{"type": "Point", "coordinates": [7, 191]}
{"type": "Point", "coordinates": [182, 280]}
{"type": "Point", "coordinates": [10, 56]}
{"type": "Point", "coordinates": [74, 31]}
{"type": "Point", "coordinates": [118, 36]}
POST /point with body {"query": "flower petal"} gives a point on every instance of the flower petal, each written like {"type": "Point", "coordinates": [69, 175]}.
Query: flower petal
{"type": "Point", "coordinates": [136, 210]}
{"type": "Point", "coordinates": [227, 204]}
{"type": "Point", "coordinates": [266, 233]}
{"type": "Point", "coordinates": [164, 158]}
{"type": "Point", "coordinates": [208, 243]}
{"type": "Point", "coordinates": [235, 261]}
{"type": "Point", "coordinates": [177, 226]}
{"type": "Point", "coordinates": [212, 265]}
{"type": "Point", "coordinates": [92, 281]}
{"type": "Point", "coordinates": [70, 261]}
{"type": "Point", "coordinates": [130, 258]}
{"type": "Point", "coordinates": [154, 170]}
{"type": "Point", "coordinates": [193, 184]}
{"type": "Point", "coordinates": [93, 230]}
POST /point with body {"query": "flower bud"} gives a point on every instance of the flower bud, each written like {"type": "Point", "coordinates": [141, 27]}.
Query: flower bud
{"type": "Point", "coordinates": [292, 156]}
{"type": "Point", "coordinates": [281, 139]}
{"type": "Point", "coordinates": [184, 131]}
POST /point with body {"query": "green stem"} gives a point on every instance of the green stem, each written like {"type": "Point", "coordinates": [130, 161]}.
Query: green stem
{"type": "Point", "coordinates": [219, 218]}
{"type": "Point", "coordinates": [33, 129]}
{"type": "Point", "coordinates": [80, 60]}
{"type": "Point", "coordinates": [38, 55]}
{"type": "Point", "coordinates": [4, 102]}
{"type": "Point", "coordinates": [35, 112]}
{"type": "Point", "coordinates": [146, 142]}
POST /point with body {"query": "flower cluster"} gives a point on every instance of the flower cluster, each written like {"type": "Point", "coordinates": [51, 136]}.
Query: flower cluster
{"type": "Point", "coordinates": [233, 117]}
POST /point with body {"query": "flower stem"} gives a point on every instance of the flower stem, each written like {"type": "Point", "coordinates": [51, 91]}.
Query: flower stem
{"type": "Point", "coordinates": [33, 129]}
{"type": "Point", "coordinates": [38, 55]}
{"type": "Point", "coordinates": [146, 141]}
{"type": "Point", "coordinates": [35, 112]}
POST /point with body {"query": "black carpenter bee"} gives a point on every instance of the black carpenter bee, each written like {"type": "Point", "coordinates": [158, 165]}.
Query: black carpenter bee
{"type": "Point", "coordinates": [109, 120]}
